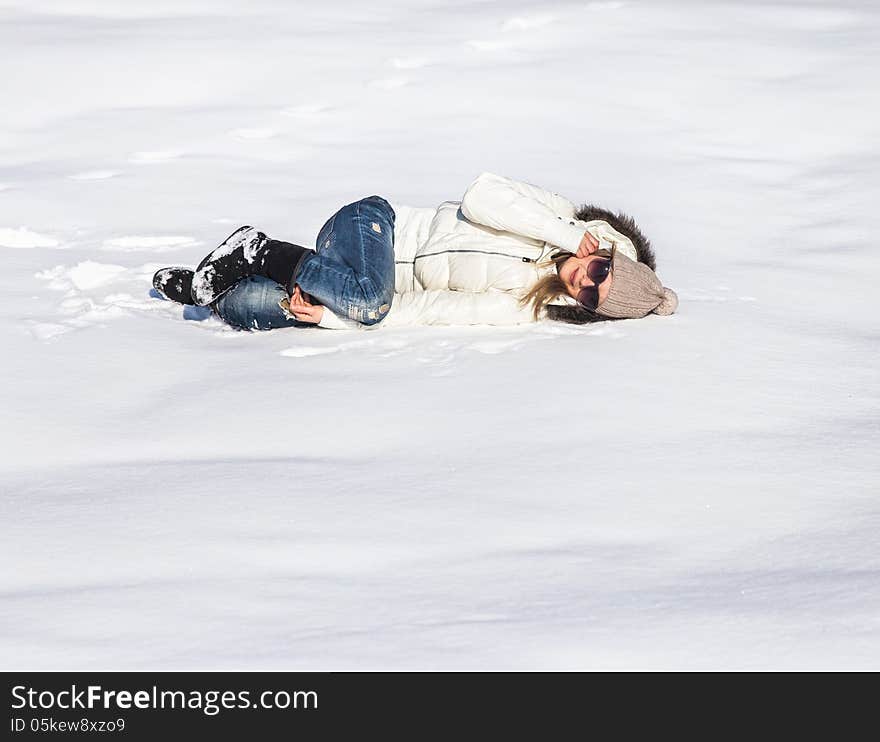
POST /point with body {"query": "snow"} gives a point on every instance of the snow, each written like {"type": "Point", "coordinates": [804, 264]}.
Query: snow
{"type": "Point", "coordinates": [150, 243]}
{"type": "Point", "coordinates": [694, 491]}
{"type": "Point", "coordinates": [254, 133]}
{"type": "Point", "coordinates": [95, 175]}
{"type": "Point", "coordinates": [25, 238]}
{"type": "Point", "coordinates": [149, 158]}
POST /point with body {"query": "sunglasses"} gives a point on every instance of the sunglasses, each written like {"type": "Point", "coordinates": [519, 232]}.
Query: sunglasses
{"type": "Point", "coordinates": [597, 271]}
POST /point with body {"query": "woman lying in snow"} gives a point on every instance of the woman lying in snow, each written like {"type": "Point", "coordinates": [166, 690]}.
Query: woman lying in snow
{"type": "Point", "coordinates": [508, 253]}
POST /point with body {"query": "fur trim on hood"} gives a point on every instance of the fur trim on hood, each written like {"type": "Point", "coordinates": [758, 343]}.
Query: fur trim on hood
{"type": "Point", "coordinates": [573, 314]}
{"type": "Point", "coordinates": [577, 315]}
{"type": "Point", "coordinates": [624, 224]}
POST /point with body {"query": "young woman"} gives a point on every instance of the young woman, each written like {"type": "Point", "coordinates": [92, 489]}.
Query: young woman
{"type": "Point", "coordinates": [507, 253]}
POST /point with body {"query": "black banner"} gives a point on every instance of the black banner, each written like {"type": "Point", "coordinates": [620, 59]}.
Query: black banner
{"type": "Point", "coordinates": [143, 705]}
{"type": "Point", "coordinates": [248, 705]}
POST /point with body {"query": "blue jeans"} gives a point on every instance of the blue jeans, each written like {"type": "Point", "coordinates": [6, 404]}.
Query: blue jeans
{"type": "Point", "coordinates": [351, 273]}
{"type": "Point", "coordinates": [253, 304]}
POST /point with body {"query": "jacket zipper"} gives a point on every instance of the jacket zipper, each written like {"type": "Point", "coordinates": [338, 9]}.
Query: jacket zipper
{"type": "Point", "coordinates": [482, 252]}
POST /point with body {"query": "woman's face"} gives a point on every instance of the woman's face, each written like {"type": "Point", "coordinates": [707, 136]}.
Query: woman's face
{"type": "Point", "coordinates": [574, 275]}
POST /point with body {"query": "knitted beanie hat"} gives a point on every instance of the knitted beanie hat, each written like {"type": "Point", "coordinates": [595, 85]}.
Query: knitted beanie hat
{"type": "Point", "coordinates": [635, 291]}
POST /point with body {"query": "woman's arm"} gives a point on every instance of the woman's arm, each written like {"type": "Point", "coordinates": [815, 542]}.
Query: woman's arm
{"type": "Point", "coordinates": [442, 308]}
{"type": "Point", "coordinates": [511, 206]}
{"type": "Point", "coordinates": [456, 308]}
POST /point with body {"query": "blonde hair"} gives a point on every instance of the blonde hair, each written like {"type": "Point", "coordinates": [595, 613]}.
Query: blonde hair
{"type": "Point", "coordinates": [549, 287]}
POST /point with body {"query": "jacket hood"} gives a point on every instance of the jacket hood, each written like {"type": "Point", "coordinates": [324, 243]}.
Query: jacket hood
{"type": "Point", "coordinates": [626, 226]}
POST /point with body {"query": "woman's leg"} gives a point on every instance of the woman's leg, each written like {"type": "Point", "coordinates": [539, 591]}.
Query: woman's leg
{"type": "Point", "coordinates": [246, 252]}
{"type": "Point", "coordinates": [352, 271]}
{"type": "Point", "coordinates": [254, 304]}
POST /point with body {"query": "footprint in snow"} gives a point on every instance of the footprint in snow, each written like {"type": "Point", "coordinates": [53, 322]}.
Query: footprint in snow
{"type": "Point", "coordinates": [83, 276]}
{"type": "Point", "coordinates": [94, 293]}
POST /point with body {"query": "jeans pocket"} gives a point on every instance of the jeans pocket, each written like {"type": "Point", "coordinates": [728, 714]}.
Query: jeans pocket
{"type": "Point", "coordinates": [326, 237]}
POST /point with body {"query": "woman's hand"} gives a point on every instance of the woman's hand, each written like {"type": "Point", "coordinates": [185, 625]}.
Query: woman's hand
{"type": "Point", "coordinates": [303, 309]}
{"type": "Point", "coordinates": [588, 246]}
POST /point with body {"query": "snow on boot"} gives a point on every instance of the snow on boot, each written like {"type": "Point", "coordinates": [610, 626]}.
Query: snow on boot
{"type": "Point", "coordinates": [246, 252]}
{"type": "Point", "coordinates": [226, 265]}
{"type": "Point", "coordinates": [175, 284]}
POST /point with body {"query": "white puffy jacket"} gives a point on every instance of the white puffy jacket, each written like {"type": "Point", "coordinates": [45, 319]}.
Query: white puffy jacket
{"type": "Point", "coordinates": [468, 262]}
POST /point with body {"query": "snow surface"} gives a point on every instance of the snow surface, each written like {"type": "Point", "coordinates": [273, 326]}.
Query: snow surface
{"type": "Point", "coordinates": [698, 491]}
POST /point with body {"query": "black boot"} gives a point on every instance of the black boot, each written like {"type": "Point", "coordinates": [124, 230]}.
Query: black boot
{"type": "Point", "coordinates": [226, 265]}
{"type": "Point", "coordinates": [280, 261]}
{"type": "Point", "coordinates": [246, 252]}
{"type": "Point", "coordinates": [175, 284]}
